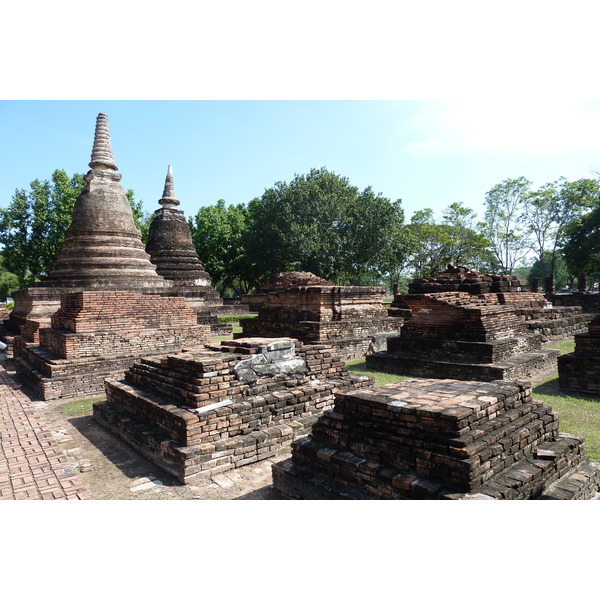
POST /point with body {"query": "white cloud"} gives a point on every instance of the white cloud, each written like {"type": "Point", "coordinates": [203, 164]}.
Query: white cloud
{"type": "Point", "coordinates": [428, 147]}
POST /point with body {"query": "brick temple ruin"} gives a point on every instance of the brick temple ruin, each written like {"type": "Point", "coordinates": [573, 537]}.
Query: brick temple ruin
{"type": "Point", "coordinates": [221, 407]}
{"type": "Point", "coordinates": [431, 439]}
{"type": "Point", "coordinates": [540, 316]}
{"type": "Point", "coordinates": [172, 250]}
{"type": "Point", "coordinates": [301, 305]}
{"type": "Point", "coordinates": [105, 275]}
{"type": "Point", "coordinates": [457, 335]}
{"type": "Point", "coordinates": [579, 371]}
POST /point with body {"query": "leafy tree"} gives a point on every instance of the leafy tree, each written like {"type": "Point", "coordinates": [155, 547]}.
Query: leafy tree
{"type": "Point", "coordinates": [141, 218]}
{"type": "Point", "coordinates": [503, 220]}
{"type": "Point", "coordinates": [550, 209]}
{"type": "Point", "coordinates": [9, 282]}
{"type": "Point", "coordinates": [320, 223]}
{"type": "Point", "coordinates": [219, 236]}
{"type": "Point", "coordinates": [467, 246]}
{"type": "Point", "coordinates": [581, 248]}
{"type": "Point", "coordinates": [32, 228]}
{"type": "Point", "coordinates": [455, 240]}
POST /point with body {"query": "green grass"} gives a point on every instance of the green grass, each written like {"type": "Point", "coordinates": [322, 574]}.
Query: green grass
{"type": "Point", "coordinates": [236, 318]}
{"type": "Point", "coordinates": [77, 408]}
{"type": "Point", "coordinates": [360, 366]}
{"type": "Point", "coordinates": [578, 414]}
{"type": "Point", "coordinates": [564, 347]}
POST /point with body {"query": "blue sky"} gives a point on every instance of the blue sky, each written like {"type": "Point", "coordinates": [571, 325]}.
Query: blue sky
{"type": "Point", "coordinates": [427, 153]}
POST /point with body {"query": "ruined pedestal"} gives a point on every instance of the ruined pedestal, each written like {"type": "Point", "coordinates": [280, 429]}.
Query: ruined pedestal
{"type": "Point", "coordinates": [459, 336]}
{"type": "Point", "coordinates": [579, 371]}
{"type": "Point", "coordinates": [431, 439]}
{"type": "Point", "coordinates": [350, 318]}
{"type": "Point", "coordinates": [211, 410]}
{"type": "Point", "coordinates": [95, 335]}
{"type": "Point", "coordinates": [541, 317]}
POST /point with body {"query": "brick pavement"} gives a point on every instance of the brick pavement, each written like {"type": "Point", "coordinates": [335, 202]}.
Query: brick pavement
{"type": "Point", "coordinates": [32, 467]}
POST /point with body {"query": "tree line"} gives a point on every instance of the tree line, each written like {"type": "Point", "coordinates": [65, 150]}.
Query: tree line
{"type": "Point", "coordinates": [319, 222]}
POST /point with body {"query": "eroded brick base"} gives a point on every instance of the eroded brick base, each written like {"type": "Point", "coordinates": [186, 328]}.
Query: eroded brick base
{"type": "Point", "coordinates": [437, 439]}
{"type": "Point", "coordinates": [223, 407]}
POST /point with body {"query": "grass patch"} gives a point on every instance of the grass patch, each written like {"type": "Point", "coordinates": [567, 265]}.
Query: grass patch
{"type": "Point", "coordinates": [360, 366]}
{"type": "Point", "coordinates": [235, 319]}
{"type": "Point", "coordinates": [578, 414]}
{"type": "Point", "coordinates": [564, 347]}
{"type": "Point", "coordinates": [78, 408]}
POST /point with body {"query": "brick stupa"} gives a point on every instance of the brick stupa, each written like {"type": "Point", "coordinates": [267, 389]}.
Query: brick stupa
{"type": "Point", "coordinates": [102, 248]}
{"type": "Point", "coordinates": [172, 250]}
{"type": "Point", "coordinates": [102, 276]}
{"type": "Point", "coordinates": [312, 310]}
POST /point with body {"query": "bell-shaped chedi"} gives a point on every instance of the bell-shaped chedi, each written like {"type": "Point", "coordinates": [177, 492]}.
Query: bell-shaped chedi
{"type": "Point", "coordinates": [170, 244]}
{"type": "Point", "coordinates": [103, 247]}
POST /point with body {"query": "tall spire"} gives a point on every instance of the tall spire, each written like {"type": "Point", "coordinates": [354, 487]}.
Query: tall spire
{"type": "Point", "coordinates": [102, 155]}
{"type": "Point", "coordinates": [169, 200]}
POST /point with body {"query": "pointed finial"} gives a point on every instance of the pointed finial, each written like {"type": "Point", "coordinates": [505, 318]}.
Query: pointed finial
{"type": "Point", "coordinates": [169, 200]}
{"type": "Point", "coordinates": [102, 155]}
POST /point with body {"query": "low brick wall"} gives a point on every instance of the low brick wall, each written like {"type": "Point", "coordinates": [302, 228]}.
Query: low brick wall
{"type": "Point", "coordinates": [579, 371]}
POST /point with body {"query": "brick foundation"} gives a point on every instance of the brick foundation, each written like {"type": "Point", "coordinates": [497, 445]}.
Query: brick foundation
{"type": "Point", "coordinates": [431, 439]}
{"type": "Point", "coordinates": [100, 334]}
{"type": "Point", "coordinates": [351, 317]}
{"type": "Point", "coordinates": [579, 371]}
{"type": "Point", "coordinates": [203, 412]}
{"type": "Point", "coordinates": [460, 336]}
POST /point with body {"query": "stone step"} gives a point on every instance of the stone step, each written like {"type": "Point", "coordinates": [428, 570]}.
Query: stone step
{"type": "Point", "coordinates": [581, 484]}
{"type": "Point", "coordinates": [556, 470]}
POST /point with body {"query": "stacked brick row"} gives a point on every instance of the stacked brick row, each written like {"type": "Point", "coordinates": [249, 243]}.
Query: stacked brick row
{"type": "Point", "coordinates": [579, 371]}
{"type": "Point", "coordinates": [432, 439]}
{"type": "Point", "coordinates": [100, 334]}
{"type": "Point", "coordinates": [114, 310]}
{"type": "Point", "coordinates": [589, 302]}
{"type": "Point", "coordinates": [462, 279]}
{"type": "Point", "coordinates": [191, 414]}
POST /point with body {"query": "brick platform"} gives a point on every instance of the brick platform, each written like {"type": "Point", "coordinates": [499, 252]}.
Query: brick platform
{"type": "Point", "coordinates": [96, 335]}
{"type": "Point", "coordinates": [579, 371]}
{"type": "Point", "coordinates": [32, 467]}
{"type": "Point", "coordinates": [203, 412]}
{"type": "Point", "coordinates": [461, 336]}
{"type": "Point", "coordinates": [307, 308]}
{"type": "Point", "coordinates": [438, 439]}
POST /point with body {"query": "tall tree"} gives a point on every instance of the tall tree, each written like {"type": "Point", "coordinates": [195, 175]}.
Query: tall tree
{"type": "Point", "coordinates": [219, 236]}
{"type": "Point", "coordinates": [9, 282]}
{"type": "Point", "coordinates": [503, 220]}
{"type": "Point", "coordinates": [320, 223]}
{"type": "Point", "coordinates": [550, 209]}
{"type": "Point", "coordinates": [454, 240]}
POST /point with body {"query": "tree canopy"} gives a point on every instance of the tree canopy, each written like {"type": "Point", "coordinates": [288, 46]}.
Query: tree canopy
{"type": "Point", "coordinates": [320, 223]}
